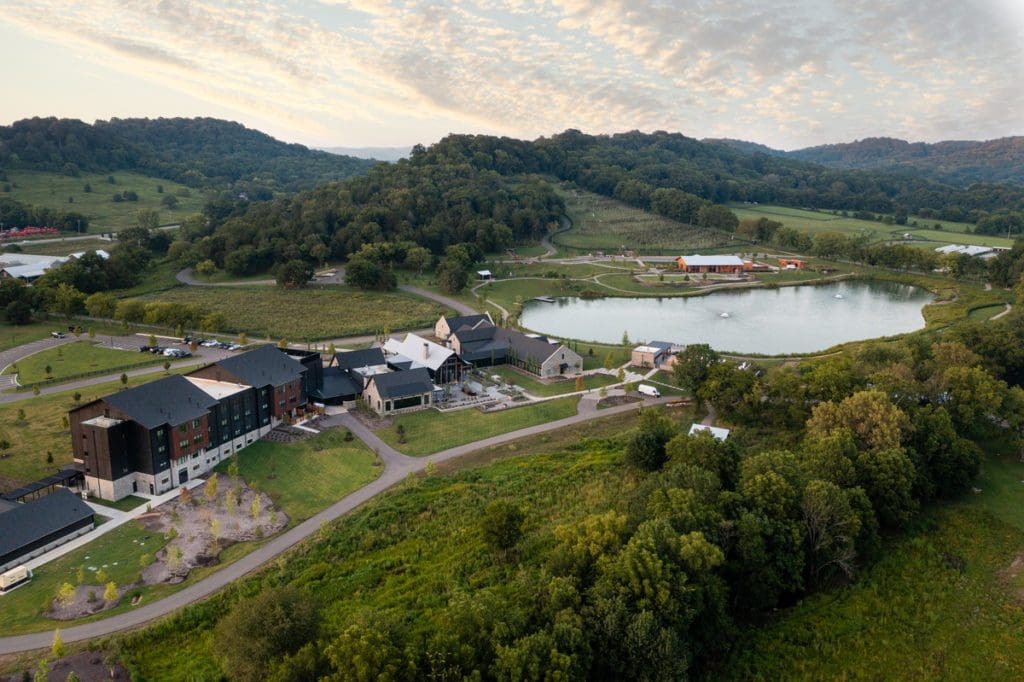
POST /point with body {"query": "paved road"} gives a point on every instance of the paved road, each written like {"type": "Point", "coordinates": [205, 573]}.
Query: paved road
{"type": "Point", "coordinates": [396, 467]}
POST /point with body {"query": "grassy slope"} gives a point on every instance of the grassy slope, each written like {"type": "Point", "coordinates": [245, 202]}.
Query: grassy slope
{"type": "Point", "coordinates": [63, 248]}
{"type": "Point", "coordinates": [308, 314]}
{"type": "Point", "coordinates": [52, 190]}
{"type": "Point", "coordinates": [428, 431]}
{"type": "Point", "coordinates": [310, 475]}
{"type": "Point", "coordinates": [75, 359]}
{"type": "Point", "coordinates": [603, 224]}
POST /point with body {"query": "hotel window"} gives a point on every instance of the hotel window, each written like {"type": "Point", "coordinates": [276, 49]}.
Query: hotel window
{"type": "Point", "coordinates": [183, 444]}
{"type": "Point", "coordinates": [183, 428]}
{"type": "Point", "coordinates": [195, 423]}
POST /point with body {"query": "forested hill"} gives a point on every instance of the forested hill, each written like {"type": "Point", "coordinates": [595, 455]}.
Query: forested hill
{"type": "Point", "coordinates": [199, 152]}
{"type": "Point", "coordinates": [956, 162]}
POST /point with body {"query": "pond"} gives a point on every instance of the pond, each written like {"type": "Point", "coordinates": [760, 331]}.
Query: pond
{"type": "Point", "coordinates": [798, 319]}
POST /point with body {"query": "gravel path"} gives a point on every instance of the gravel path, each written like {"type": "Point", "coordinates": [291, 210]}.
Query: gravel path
{"type": "Point", "coordinates": [396, 467]}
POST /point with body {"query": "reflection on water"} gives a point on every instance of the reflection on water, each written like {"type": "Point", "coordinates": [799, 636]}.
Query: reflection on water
{"type": "Point", "coordinates": [785, 320]}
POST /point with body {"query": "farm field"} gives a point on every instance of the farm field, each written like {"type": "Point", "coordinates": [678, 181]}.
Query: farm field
{"type": "Point", "coordinates": [53, 190]}
{"type": "Point", "coordinates": [63, 248]}
{"type": "Point", "coordinates": [42, 431]}
{"type": "Point", "coordinates": [306, 477]}
{"type": "Point", "coordinates": [814, 222]}
{"type": "Point", "coordinates": [430, 431]}
{"type": "Point", "coordinates": [76, 359]}
{"type": "Point", "coordinates": [603, 224]}
{"type": "Point", "coordinates": [538, 388]}
{"type": "Point", "coordinates": [943, 602]}
{"type": "Point", "coordinates": [309, 314]}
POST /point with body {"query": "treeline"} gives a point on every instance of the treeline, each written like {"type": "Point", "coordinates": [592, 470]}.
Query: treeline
{"type": "Point", "coordinates": [15, 214]}
{"type": "Point", "coordinates": [429, 202]}
{"type": "Point", "coordinates": [705, 537]}
{"type": "Point", "coordinates": [198, 152]}
{"type": "Point", "coordinates": [69, 288]}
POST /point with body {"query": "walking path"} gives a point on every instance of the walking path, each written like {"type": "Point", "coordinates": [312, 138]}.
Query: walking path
{"type": "Point", "coordinates": [396, 468]}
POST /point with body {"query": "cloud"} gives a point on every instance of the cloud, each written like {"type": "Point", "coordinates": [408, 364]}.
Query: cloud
{"type": "Point", "coordinates": [787, 73]}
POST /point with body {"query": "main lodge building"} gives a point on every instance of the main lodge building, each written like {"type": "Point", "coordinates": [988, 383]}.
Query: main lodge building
{"type": "Point", "coordinates": [159, 435]}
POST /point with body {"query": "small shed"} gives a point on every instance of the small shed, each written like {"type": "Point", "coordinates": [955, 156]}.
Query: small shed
{"type": "Point", "coordinates": [484, 275]}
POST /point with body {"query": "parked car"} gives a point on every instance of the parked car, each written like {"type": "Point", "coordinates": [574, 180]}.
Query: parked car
{"type": "Point", "coordinates": [648, 390]}
{"type": "Point", "coordinates": [58, 335]}
{"type": "Point", "coordinates": [234, 346]}
{"type": "Point", "coordinates": [143, 349]}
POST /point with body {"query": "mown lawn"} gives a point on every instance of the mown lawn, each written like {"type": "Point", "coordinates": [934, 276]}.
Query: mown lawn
{"type": "Point", "coordinates": [306, 477]}
{"type": "Point", "coordinates": [53, 190]}
{"type": "Point", "coordinates": [124, 504]}
{"type": "Point", "coordinates": [75, 359]}
{"type": "Point", "coordinates": [430, 431]}
{"type": "Point", "coordinates": [538, 388]}
{"type": "Point", "coordinates": [320, 312]}
{"type": "Point", "coordinates": [12, 335]}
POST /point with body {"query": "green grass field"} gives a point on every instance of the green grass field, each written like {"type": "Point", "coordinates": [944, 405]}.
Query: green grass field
{"type": "Point", "coordinates": [12, 336]}
{"type": "Point", "coordinates": [429, 431]}
{"type": "Point", "coordinates": [63, 248]}
{"type": "Point", "coordinates": [538, 388]}
{"type": "Point", "coordinates": [124, 504]}
{"type": "Point", "coordinates": [306, 477]}
{"type": "Point", "coordinates": [53, 190]}
{"type": "Point", "coordinates": [76, 359]}
{"type": "Point", "coordinates": [321, 312]}
{"type": "Point", "coordinates": [814, 222]}
{"type": "Point", "coordinates": [603, 224]}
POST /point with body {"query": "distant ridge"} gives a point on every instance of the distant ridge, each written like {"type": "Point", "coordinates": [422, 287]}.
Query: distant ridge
{"type": "Point", "coordinates": [958, 162]}
{"type": "Point", "coordinates": [374, 153]}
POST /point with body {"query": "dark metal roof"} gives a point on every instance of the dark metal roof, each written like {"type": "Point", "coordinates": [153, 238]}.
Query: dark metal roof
{"type": "Point", "coordinates": [456, 323]}
{"type": "Point", "coordinates": [172, 400]}
{"type": "Point", "coordinates": [663, 345]}
{"type": "Point", "coordinates": [27, 523]}
{"type": "Point", "coordinates": [359, 358]}
{"type": "Point", "coordinates": [480, 333]}
{"type": "Point", "coordinates": [62, 477]}
{"type": "Point", "coordinates": [263, 366]}
{"type": "Point", "coordinates": [403, 384]}
{"type": "Point", "coordinates": [527, 347]}
{"type": "Point", "coordinates": [338, 383]}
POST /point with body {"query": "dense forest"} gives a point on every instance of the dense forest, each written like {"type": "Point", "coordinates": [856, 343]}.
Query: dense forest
{"type": "Point", "coordinates": [490, 193]}
{"type": "Point", "coordinates": [198, 152]}
{"type": "Point", "coordinates": [957, 162]}
{"type": "Point", "coordinates": [639, 556]}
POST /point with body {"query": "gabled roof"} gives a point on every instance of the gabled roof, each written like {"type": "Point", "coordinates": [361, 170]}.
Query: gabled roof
{"type": "Point", "coordinates": [172, 400]}
{"type": "Point", "coordinates": [26, 271]}
{"type": "Point", "coordinates": [461, 321]}
{"type": "Point", "coordinates": [478, 333]}
{"type": "Point", "coordinates": [262, 366]}
{"type": "Point", "coordinates": [403, 384]}
{"type": "Point", "coordinates": [967, 249]}
{"type": "Point", "coordinates": [698, 260]}
{"type": "Point", "coordinates": [26, 523]}
{"type": "Point", "coordinates": [526, 347]}
{"type": "Point", "coordinates": [367, 357]}
{"type": "Point", "coordinates": [412, 348]}
{"type": "Point", "coordinates": [338, 383]}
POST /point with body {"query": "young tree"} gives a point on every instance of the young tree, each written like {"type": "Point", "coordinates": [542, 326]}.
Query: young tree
{"type": "Point", "coordinates": [609, 361]}
{"type": "Point", "coordinates": [231, 501]}
{"type": "Point", "coordinates": [57, 649]}
{"type": "Point", "coordinates": [255, 508]}
{"type": "Point", "coordinates": [110, 593]}
{"type": "Point", "coordinates": [124, 379]}
{"type": "Point", "coordinates": [66, 594]}
{"type": "Point", "coordinates": [211, 487]}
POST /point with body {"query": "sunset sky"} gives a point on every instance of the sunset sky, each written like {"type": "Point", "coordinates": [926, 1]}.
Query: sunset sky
{"type": "Point", "coordinates": [788, 73]}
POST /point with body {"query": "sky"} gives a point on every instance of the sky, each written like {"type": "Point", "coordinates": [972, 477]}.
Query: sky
{"type": "Point", "coordinates": [787, 73]}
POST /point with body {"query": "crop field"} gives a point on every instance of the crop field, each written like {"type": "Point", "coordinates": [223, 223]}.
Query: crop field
{"type": "Point", "coordinates": [64, 247]}
{"type": "Point", "coordinates": [305, 477]}
{"type": "Point", "coordinates": [603, 224]}
{"type": "Point", "coordinates": [321, 312]}
{"type": "Point", "coordinates": [53, 191]}
{"type": "Point", "coordinates": [75, 359]}
{"type": "Point", "coordinates": [428, 431]}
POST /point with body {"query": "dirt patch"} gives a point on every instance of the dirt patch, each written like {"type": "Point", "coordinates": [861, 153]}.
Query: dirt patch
{"type": "Point", "coordinates": [90, 666]}
{"type": "Point", "coordinates": [615, 400]}
{"type": "Point", "coordinates": [200, 527]}
{"type": "Point", "coordinates": [372, 420]}
{"type": "Point", "coordinates": [1011, 577]}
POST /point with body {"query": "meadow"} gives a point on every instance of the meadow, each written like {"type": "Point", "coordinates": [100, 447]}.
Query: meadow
{"type": "Point", "coordinates": [53, 191]}
{"type": "Point", "coordinates": [316, 313]}
{"type": "Point", "coordinates": [603, 224]}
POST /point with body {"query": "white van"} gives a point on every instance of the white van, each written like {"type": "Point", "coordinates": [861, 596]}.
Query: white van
{"type": "Point", "coordinates": [648, 390]}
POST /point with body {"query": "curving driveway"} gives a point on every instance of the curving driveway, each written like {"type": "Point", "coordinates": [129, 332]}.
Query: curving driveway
{"type": "Point", "coordinates": [396, 467]}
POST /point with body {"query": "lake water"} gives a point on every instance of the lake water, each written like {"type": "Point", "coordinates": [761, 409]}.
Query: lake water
{"type": "Point", "coordinates": [798, 319]}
